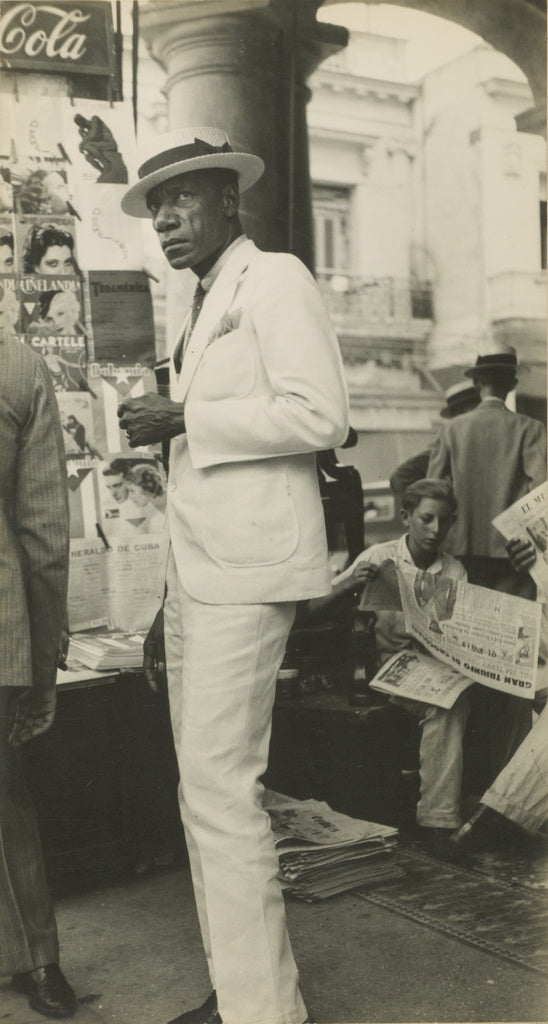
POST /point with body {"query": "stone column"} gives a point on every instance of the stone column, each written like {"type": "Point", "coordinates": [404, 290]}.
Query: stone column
{"type": "Point", "coordinates": [242, 66]}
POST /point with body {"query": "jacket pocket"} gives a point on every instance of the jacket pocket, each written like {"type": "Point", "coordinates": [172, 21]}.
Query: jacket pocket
{"type": "Point", "coordinates": [249, 516]}
{"type": "Point", "coordinates": [226, 369]}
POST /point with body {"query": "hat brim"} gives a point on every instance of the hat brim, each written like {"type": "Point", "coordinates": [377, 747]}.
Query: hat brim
{"type": "Point", "coordinates": [248, 167]}
{"type": "Point", "coordinates": [473, 371]}
{"type": "Point", "coordinates": [448, 412]}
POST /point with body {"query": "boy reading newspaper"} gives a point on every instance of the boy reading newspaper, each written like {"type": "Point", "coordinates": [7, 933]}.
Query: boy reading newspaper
{"type": "Point", "coordinates": [428, 510]}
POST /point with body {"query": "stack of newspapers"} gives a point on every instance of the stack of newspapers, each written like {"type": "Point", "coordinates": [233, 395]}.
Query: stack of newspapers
{"type": "Point", "coordinates": [107, 651]}
{"type": "Point", "coordinates": [322, 853]}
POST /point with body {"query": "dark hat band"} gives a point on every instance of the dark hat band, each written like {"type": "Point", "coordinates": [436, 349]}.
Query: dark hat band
{"type": "Point", "coordinates": [497, 359]}
{"type": "Point", "coordinates": [178, 153]}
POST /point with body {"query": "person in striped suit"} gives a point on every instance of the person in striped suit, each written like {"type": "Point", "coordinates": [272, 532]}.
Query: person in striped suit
{"type": "Point", "coordinates": [34, 549]}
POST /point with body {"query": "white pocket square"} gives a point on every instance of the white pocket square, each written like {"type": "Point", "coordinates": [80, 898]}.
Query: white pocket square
{"type": "Point", "coordinates": [229, 322]}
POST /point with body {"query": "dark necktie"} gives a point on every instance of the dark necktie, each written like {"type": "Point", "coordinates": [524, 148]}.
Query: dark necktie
{"type": "Point", "coordinates": [197, 303]}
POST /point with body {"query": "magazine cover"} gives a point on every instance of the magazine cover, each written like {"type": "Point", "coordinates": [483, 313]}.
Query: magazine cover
{"type": "Point", "coordinates": [46, 245]}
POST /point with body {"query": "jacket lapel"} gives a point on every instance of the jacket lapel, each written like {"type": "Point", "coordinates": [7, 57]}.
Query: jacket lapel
{"type": "Point", "coordinates": [216, 303]}
{"type": "Point", "coordinates": [177, 348]}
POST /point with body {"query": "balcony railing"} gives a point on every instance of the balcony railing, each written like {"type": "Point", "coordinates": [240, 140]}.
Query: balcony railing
{"type": "Point", "coordinates": [517, 295]}
{"type": "Point", "coordinates": [353, 300]}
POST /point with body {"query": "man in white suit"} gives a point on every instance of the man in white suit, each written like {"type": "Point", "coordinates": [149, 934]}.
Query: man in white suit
{"type": "Point", "coordinates": [260, 390]}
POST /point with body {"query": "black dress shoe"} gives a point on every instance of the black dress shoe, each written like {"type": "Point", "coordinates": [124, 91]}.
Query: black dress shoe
{"type": "Point", "coordinates": [440, 845]}
{"type": "Point", "coordinates": [204, 1014]}
{"type": "Point", "coordinates": [48, 991]}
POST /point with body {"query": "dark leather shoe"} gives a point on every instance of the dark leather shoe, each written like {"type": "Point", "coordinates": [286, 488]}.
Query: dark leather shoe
{"type": "Point", "coordinates": [440, 845]}
{"type": "Point", "coordinates": [48, 991]}
{"type": "Point", "coordinates": [204, 1014]}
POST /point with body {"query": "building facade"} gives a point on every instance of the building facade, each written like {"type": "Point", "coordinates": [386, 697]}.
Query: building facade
{"type": "Point", "coordinates": [428, 209]}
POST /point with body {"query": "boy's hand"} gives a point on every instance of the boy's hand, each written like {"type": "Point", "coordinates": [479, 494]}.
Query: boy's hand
{"type": "Point", "coordinates": [521, 553]}
{"type": "Point", "coordinates": [363, 573]}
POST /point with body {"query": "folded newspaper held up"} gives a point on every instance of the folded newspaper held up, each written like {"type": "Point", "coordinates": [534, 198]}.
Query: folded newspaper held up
{"type": "Point", "coordinates": [527, 519]}
{"type": "Point", "coordinates": [487, 636]}
{"type": "Point", "coordinates": [322, 853]}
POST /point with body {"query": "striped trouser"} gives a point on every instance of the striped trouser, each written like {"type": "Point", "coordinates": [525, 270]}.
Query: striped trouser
{"type": "Point", "coordinates": [28, 933]}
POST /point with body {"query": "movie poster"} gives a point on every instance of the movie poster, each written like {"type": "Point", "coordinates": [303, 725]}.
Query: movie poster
{"type": "Point", "coordinates": [40, 167]}
{"type": "Point", "coordinates": [122, 320]}
{"type": "Point", "coordinates": [77, 423]}
{"type": "Point", "coordinates": [100, 144]}
{"type": "Point", "coordinates": [8, 263]}
{"type": "Point", "coordinates": [99, 141]}
{"type": "Point", "coordinates": [46, 245]}
{"type": "Point", "coordinates": [107, 238]}
{"type": "Point", "coordinates": [73, 288]}
{"type": "Point", "coordinates": [10, 309]}
{"type": "Point", "coordinates": [52, 322]}
{"type": "Point", "coordinates": [82, 494]}
{"type": "Point", "coordinates": [132, 495]}
{"type": "Point", "coordinates": [6, 191]}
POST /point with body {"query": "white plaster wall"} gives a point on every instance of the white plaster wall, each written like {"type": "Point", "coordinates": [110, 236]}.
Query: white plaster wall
{"type": "Point", "coordinates": [511, 203]}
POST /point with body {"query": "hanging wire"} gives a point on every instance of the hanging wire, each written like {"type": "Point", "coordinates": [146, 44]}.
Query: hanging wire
{"type": "Point", "coordinates": [118, 49]}
{"type": "Point", "coordinates": [292, 84]}
{"type": "Point", "coordinates": [134, 57]}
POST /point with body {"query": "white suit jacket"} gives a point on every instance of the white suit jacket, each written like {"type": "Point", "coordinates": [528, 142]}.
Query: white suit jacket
{"type": "Point", "coordinates": [263, 389]}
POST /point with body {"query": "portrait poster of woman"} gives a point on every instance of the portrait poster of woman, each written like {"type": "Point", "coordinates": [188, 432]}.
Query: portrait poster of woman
{"type": "Point", "coordinates": [46, 245]}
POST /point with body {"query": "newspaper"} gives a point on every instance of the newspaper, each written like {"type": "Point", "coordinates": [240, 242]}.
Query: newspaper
{"type": "Point", "coordinates": [314, 825]}
{"type": "Point", "coordinates": [120, 586]}
{"type": "Point", "coordinates": [104, 651]}
{"type": "Point", "coordinates": [528, 520]}
{"type": "Point", "coordinates": [322, 852]}
{"type": "Point", "coordinates": [491, 637]}
{"type": "Point", "coordinates": [417, 676]}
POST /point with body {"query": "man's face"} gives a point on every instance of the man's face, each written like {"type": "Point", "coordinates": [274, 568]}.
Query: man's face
{"type": "Point", "coordinates": [428, 526]}
{"type": "Point", "coordinates": [117, 487]}
{"type": "Point", "coordinates": [188, 214]}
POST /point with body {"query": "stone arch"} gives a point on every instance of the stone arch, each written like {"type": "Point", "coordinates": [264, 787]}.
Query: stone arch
{"type": "Point", "coordinates": [515, 27]}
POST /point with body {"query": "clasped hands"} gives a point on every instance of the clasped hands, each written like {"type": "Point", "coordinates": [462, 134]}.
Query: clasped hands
{"type": "Point", "coordinates": [150, 418]}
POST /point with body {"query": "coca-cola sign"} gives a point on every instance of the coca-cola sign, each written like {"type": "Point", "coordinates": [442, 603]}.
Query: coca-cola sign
{"type": "Point", "coordinates": [59, 36]}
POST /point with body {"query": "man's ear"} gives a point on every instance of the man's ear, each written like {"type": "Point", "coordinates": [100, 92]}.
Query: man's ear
{"type": "Point", "coordinates": [231, 201]}
{"type": "Point", "coordinates": [404, 516]}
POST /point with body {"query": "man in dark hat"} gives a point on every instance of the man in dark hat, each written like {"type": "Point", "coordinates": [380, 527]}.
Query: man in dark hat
{"type": "Point", "coordinates": [493, 457]}
{"type": "Point", "coordinates": [459, 398]}
{"type": "Point", "coordinates": [257, 387]}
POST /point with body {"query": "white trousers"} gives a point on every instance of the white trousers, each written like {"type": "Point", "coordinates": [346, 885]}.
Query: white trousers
{"type": "Point", "coordinates": [222, 663]}
{"type": "Point", "coordinates": [441, 760]}
{"type": "Point", "coordinates": [520, 792]}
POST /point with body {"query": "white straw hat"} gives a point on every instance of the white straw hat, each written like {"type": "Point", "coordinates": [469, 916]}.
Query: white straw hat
{"type": "Point", "coordinates": [183, 150]}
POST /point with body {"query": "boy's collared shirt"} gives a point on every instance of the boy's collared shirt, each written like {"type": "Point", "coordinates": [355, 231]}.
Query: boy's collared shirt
{"type": "Point", "coordinates": [390, 633]}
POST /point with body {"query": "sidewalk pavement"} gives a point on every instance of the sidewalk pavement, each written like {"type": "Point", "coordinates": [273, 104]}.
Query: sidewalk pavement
{"type": "Point", "coordinates": [132, 952]}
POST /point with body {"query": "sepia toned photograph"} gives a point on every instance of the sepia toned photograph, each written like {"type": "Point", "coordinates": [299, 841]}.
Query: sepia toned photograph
{"type": "Point", "coordinates": [273, 465]}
